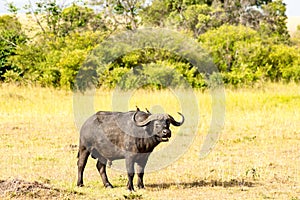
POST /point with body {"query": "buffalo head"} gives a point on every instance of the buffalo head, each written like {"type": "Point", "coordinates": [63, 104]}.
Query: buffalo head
{"type": "Point", "coordinates": [159, 123]}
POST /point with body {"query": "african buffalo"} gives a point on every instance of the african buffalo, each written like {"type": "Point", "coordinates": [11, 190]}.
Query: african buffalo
{"type": "Point", "coordinates": [132, 136]}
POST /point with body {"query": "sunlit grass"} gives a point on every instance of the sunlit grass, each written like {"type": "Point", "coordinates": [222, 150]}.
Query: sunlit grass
{"type": "Point", "coordinates": [257, 156]}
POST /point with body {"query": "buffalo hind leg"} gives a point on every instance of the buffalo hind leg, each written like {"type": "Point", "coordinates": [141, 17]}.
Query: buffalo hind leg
{"type": "Point", "coordinates": [101, 167]}
{"type": "Point", "coordinates": [83, 155]}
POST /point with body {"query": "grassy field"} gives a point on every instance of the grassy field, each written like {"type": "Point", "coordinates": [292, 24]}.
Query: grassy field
{"type": "Point", "coordinates": [257, 156]}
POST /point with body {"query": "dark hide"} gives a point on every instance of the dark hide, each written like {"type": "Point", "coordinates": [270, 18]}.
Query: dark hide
{"type": "Point", "coordinates": [132, 136]}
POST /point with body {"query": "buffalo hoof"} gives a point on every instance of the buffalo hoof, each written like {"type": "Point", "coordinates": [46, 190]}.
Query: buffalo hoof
{"type": "Point", "coordinates": [108, 185]}
{"type": "Point", "coordinates": [80, 185]}
{"type": "Point", "coordinates": [141, 186]}
{"type": "Point", "coordinates": [130, 189]}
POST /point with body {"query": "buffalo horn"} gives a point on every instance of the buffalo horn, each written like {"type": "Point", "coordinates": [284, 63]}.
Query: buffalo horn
{"type": "Point", "coordinates": [175, 123]}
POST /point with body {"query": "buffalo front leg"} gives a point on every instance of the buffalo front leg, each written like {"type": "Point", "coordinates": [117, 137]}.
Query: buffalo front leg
{"type": "Point", "coordinates": [83, 155]}
{"type": "Point", "coordinates": [140, 182]}
{"type": "Point", "coordinates": [102, 170]}
{"type": "Point", "coordinates": [130, 173]}
{"type": "Point", "coordinates": [140, 171]}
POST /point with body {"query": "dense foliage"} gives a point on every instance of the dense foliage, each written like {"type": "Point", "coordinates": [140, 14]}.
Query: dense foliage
{"type": "Point", "coordinates": [247, 40]}
{"type": "Point", "coordinates": [11, 36]}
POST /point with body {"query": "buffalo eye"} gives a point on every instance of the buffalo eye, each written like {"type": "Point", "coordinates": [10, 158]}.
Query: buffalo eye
{"type": "Point", "coordinates": [168, 123]}
{"type": "Point", "coordinates": [157, 125]}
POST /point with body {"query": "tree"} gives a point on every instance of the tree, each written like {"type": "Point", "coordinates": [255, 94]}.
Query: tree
{"type": "Point", "coordinates": [274, 22]}
{"type": "Point", "coordinates": [199, 18]}
{"type": "Point", "coordinates": [11, 36]}
{"type": "Point", "coordinates": [80, 18]}
{"type": "Point", "coordinates": [155, 14]}
{"type": "Point", "coordinates": [56, 20]}
{"type": "Point", "coordinates": [121, 13]}
{"type": "Point", "coordinates": [267, 16]}
{"type": "Point", "coordinates": [57, 51]}
{"type": "Point", "coordinates": [158, 12]}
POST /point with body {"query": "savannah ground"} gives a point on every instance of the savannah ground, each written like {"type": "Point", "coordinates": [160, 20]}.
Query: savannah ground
{"type": "Point", "coordinates": [256, 157]}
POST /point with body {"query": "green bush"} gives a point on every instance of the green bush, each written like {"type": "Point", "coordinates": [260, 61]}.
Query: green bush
{"type": "Point", "coordinates": [283, 63]}
{"type": "Point", "coordinates": [243, 57]}
{"type": "Point", "coordinates": [237, 51]}
{"type": "Point", "coordinates": [11, 36]}
{"type": "Point", "coordinates": [158, 75]}
{"type": "Point", "coordinates": [55, 61]}
{"type": "Point", "coordinates": [154, 68]}
{"type": "Point", "coordinates": [69, 65]}
{"type": "Point", "coordinates": [223, 43]}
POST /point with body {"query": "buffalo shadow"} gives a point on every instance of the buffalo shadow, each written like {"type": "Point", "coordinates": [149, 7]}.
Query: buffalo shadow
{"type": "Point", "coordinates": [203, 183]}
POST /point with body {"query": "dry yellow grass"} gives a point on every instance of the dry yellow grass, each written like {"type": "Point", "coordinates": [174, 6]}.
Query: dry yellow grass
{"type": "Point", "coordinates": [257, 156]}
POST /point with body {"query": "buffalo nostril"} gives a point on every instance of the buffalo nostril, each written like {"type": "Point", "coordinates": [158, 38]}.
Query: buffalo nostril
{"type": "Point", "coordinates": [166, 132]}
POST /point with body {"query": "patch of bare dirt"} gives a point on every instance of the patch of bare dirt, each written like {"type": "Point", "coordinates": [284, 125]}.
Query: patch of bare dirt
{"type": "Point", "coordinates": [21, 189]}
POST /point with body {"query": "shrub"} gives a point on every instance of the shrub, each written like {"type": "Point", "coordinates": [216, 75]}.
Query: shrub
{"type": "Point", "coordinates": [243, 57]}
{"type": "Point", "coordinates": [55, 61]}
{"type": "Point", "coordinates": [283, 63]}
{"type": "Point", "coordinates": [158, 75]}
{"type": "Point", "coordinates": [152, 68]}
{"type": "Point", "coordinates": [11, 36]}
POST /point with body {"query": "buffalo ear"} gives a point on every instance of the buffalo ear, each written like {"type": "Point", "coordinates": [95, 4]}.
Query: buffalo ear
{"type": "Point", "coordinates": [138, 122]}
{"type": "Point", "coordinates": [147, 119]}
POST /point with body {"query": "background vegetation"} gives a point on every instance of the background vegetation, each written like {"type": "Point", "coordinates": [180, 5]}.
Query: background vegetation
{"type": "Point", "coordinates": [248, 40]}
